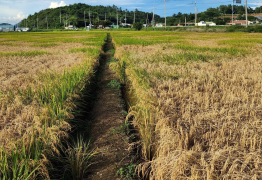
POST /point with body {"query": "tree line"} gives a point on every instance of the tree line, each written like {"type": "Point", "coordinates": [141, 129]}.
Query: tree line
{"type": "Point", "coordinates": [81, 14]}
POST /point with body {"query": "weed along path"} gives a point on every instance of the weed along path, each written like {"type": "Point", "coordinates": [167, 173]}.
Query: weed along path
{"type": "Point", "coordinates": [108, 125]}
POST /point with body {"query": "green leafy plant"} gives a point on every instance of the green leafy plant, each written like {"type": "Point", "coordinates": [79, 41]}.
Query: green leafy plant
{"type": "Point", "coordinates": [77, 158]}
{"type": "Point", "coordinates": [125, 113]}
{"type": "Point", "coordinates": [114, 84]}
{"type": "Point", "coordinates": [127, 171]}
{"type": "Point", "coordinates": [112, 60]}
{"type": "Point", "coordinates": [123, 129]}
{"type": "Point", "coordinates": [23, 162]}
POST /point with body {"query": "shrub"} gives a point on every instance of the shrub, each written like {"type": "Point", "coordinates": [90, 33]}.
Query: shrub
{"type": "Point", "coordinates": [235, 28]}
{"type": "Point", "coordinates": [138, 26]}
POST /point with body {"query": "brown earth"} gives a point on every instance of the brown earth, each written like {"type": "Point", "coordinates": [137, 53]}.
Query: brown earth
{"type": "Point", "coordinates": [107, 117]}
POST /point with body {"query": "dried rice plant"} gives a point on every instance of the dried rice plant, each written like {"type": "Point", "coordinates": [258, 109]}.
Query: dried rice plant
{"type": "Point", "coordinates": [198, 118]}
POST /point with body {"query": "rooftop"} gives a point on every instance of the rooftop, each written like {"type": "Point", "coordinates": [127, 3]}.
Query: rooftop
{"type": "Point", "coordinates": [6, 25]}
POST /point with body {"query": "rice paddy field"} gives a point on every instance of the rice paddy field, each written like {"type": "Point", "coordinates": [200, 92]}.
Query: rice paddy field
{"type": "Point", "coordinates": [196, 101]}
{"type": "Point", "coordinates": [42, 76]}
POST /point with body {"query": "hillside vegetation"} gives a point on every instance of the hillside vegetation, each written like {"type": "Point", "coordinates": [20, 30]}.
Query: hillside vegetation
{"type": "Point", "coordinates": [74, 15]}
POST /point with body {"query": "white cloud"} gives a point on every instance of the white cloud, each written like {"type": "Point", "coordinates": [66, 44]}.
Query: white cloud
{"type": "Point", "coordinates": [19, 17]}
{"type": "Point", "coordinates": [257, 3]}
{"type": "Point", "coordinates": [55, 4]}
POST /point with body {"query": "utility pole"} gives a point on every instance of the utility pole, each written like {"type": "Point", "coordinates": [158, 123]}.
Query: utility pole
{"type": "Point", "coordinates": [117, 18]}
{"type": "Point", "coordinates": [60, 17]}
{"type": "Point", "coordinates": [26, 22]}
{"type": "Point", "coordinates": [37, 21]}
{"type": "Point", "coordinates": [66, 19]}
{"type": "Point", "coordinates": [153, 21]}
{"type": "Point", "coordinates": [195, 13]}
{"type": "Point", "coordinates": [85, 18]}
{"type": "Point", "coordinates": [134, 16]}
{"type": "Point", "coordinates": [105, 16]}
{"type": "Point", "coordinates": [89, 20]}
{"type": "Point", "coordinates": [165, 12]}
{"type": "Point", "coordinates": [46, 22]}
{"type": "Point", "coordinates": [125, 18]}
{"type": "Point", "coordinates": [146, 18]}
{"type": "Point", "coordinates": [232, 11]}
{"type": "Point", "coordinates": [185, 20]}
{"type": "Point", "coordinates": [224, 15]}
{"type": "Point", "coordinates": [246, 14]}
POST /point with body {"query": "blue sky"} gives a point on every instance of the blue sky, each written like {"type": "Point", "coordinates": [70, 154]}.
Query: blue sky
{"type": "Point", "coordinates": [12, 11]}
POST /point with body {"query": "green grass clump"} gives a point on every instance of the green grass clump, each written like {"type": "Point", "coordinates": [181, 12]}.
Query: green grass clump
{"type": "Point", "coordinates": [112, 60]}
{"type": "Point", "coordinates": [114, 84]}
{"type": "Point", "coordinates": [78, 158]}
{"type": "Point", "coordinates": [223, 50]}
{"type": "Point", "coordinates": [23, 53]}
{"type": "Point", "coordinates": [23, 162]}
{"type": "Point", "coordinates": [45, 45]}
{"type": "Point", "coordinates": [88, 50]}
{"type": "Point", "coordinates": [127, 171]}
{"type": "Point", "coordinates": [181, 58]}
{"type": "Point", "coordinates": [9, 44]}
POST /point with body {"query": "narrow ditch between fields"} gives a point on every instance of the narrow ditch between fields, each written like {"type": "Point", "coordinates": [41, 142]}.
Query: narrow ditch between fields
{"type": "Point", "coordinates": [110, 133]}
{"type": "Point", "coordinates": [100, 125]}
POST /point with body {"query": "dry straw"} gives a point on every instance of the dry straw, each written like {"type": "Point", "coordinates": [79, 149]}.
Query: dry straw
{"type": "Point", "coordinates": [198, 119]}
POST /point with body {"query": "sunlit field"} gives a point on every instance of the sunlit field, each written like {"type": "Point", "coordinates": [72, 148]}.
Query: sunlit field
{"type": "Point", "coordinates": [41, 77]}
{"type": "Point", "coordinates": [196, 99]}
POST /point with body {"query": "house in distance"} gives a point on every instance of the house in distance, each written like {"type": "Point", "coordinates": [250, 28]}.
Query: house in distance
{"type": "Point", "coordinates": [5, 27]}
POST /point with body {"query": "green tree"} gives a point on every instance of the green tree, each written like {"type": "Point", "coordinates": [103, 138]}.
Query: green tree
{"type": "Point", "coordinates": [73, 20]}
{"type": "Point", "coordinates": [138, 26]}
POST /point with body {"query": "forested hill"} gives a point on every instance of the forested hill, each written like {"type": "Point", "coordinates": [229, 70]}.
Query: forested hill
{"type": "Point", "coordinates": [74, 14]}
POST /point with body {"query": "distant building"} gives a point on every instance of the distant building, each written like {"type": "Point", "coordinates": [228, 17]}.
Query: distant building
{"type": "Point", "coordinates": [239, 22]}
{"type": "Point", "coordinates": [114, 26]}
{"type": "Point", "coordinates": [126, 24]}
{"type": "Point", "coordinates": [211, 24]}
{"type": "Point", "coordinates": [5, 27]}
{"type": "Point", "coordinates": [100, 27]}
{"type": "Point", "coordinates": [71, 27]}
{"type": "Point", "coordinates": [160, 25]}
{"type": "Point", "coordinates": [24, 29]}
{"type": "Point", "coordinates": [203, 23]}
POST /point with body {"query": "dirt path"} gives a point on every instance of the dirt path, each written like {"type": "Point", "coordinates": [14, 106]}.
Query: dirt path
{"type": "Point", "coordinates": [107, 135]}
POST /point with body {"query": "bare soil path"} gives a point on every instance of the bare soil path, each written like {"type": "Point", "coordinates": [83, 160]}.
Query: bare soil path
{"type": "Point", "coordinates": [107, 117]}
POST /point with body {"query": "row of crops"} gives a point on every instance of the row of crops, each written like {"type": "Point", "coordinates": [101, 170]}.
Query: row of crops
{"type": "Point", "coordinates": [43, 78]}
{"type": "Point", "coordinates": [196, 100]}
